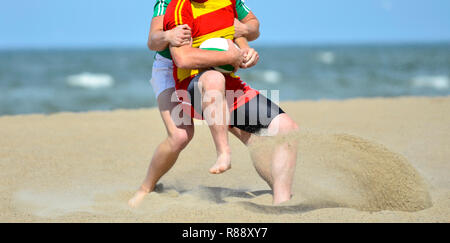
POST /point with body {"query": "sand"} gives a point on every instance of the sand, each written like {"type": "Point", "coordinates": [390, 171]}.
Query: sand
{"type": "Point", "coordinates": [360, 160]}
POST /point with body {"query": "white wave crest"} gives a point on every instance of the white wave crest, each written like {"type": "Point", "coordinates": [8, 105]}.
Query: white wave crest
{"type": "Point", "coordinates": [271, 76]}
{"type": "Point", "coordinates": [437, 82]}
{"type": "Point", "coordinates": [326, 57]}
{"type": "Point", "coordinates": [90, 80]}
{"type": "Point", "coordinates": [266, 76]}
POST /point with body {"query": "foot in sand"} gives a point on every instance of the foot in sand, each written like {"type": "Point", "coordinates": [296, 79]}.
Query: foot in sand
{"type": "Point", "coordinates": [137, 199]}
{"type": "Point", "coordinates": [222, 164]}
{"type": "Point", "coordinates": [281, 200]}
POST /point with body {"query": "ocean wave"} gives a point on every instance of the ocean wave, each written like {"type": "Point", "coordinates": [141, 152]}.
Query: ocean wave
{"type": "Point", "coordinates": [440, 82]}
{"type": "Point", "coordinates": [271, 76]}
{"type": "Point", "coordinates": [90, 80]}
{"type": "Point", "coordinates": [326, 57]}
{"type": "Point", "coordinates": [266, 76]}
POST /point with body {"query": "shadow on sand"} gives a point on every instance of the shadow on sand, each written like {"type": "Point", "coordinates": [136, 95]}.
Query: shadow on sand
{"type": "Point", "coordinates": [291, 209]}
{"type": "Point", "coordinates": [219, 194]}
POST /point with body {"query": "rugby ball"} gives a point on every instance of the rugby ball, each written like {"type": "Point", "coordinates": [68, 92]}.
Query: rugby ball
{"type": "Point", "coordinates": [218, 44]}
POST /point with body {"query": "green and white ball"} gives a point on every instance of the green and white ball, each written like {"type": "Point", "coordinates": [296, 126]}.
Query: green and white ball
{"type": "Point", "coordinates": [218, 44]}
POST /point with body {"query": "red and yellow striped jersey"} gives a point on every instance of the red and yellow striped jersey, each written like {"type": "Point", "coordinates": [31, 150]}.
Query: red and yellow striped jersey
{"type": "Point", "coordinates": [210, 19]}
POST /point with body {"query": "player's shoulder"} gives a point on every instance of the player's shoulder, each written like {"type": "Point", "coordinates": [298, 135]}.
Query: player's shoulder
{"type": "Point", "coordinates": [241, 3]}
{"type": "Point", "coordinates": [162, 2]}
{"type": "Point", "coordinates": [182, 6]}
{"type": "Point", "coordinates": [172, 4]}
{"type": "Point", "coordinates": [178, 12]}
{"type": "Point", "coordinates": [160, 7]}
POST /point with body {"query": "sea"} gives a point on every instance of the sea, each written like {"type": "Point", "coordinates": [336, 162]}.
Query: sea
{"type": "Point", "coordinates": [77, 80]}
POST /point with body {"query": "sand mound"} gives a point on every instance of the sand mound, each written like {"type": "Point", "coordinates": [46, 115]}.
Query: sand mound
{"type": "Point", "coordinates": [340, 170]}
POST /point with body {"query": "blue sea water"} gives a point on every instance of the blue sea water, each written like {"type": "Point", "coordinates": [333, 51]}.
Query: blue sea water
{"type": "Point", "coordinates": [48, 81]}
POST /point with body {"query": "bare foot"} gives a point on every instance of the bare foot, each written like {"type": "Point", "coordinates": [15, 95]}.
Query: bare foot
{"type": "Point", "coordinates": [223, 164]}
{"type": "Point", "coordinates": [277, 200]}
{"type": "Point", "coordinates": [137, 198]}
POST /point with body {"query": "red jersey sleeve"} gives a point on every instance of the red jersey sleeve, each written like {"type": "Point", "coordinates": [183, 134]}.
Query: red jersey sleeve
{"type": "Point", "coordinates": [178, 12]}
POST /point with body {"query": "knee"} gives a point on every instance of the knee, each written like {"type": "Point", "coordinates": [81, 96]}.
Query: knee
{"type": "Point", "coordinates": [290, 127]}
{"type": "Point", "coordinates": [213, 80]}
{"type": "Point", "coordinates": [179, 140]}
{"type": "Point", "coordinates": [285, 125]}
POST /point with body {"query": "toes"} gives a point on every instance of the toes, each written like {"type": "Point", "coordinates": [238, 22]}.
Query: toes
{"type": "Point", "coordinates": [219, 169]}
{"type": "Point", "coordinates": [214, 170]}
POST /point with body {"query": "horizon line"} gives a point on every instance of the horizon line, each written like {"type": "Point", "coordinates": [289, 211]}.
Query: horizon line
{"type": "Point", "coordinates": [272, 45]}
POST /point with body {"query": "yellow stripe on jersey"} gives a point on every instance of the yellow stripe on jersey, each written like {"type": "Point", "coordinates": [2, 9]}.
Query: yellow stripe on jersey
{"type": "Point", "coordinates": [227, 33]}
{"type": "Point", "coordinates": [199, 9]}
{"type": "Point", "coordinates": [180, 16]}
{"type": "Point", "coordinates": [183, 74]}
{"type": "Point", "coordinates": [177, 10]}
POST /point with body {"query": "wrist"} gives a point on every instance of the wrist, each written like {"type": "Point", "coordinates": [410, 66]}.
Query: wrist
{"type": "Point", "coordinates": [242, 43]}
{"type": "Point", "coordinates": [229, 57]}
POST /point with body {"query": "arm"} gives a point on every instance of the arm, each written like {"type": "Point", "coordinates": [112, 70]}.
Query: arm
{"type": "Point", "coordinates": [248, 27]}
{"type": "Point", "coordinates": [187, 57]}
{"type": "Point", "coordinates": [159, 40]}
{"type": "Point", "coordinates": [242, 42]}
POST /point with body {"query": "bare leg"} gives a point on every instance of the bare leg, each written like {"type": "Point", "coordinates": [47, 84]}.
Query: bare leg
{"type": "Point", "coordinates": [276, 166]}
{"type": "Point", "coordinates": [167, 152]}
{"type": "Point", "coordinates": [284, 159]}
{"type": "Point", "coordinates": [216, 114]}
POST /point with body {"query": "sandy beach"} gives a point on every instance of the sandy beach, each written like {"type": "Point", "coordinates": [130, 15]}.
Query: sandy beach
{"type": "Point", "coordinates": [360, 160]}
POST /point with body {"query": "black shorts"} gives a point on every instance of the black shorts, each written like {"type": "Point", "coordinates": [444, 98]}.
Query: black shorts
{"type": "Point", "coordinates": [254, 115]}
{"type": "Point", "coordinates": [251, 117]}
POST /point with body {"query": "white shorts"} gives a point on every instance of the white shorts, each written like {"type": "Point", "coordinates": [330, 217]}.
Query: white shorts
{"type": "Point", "coordinates": [162, 75]}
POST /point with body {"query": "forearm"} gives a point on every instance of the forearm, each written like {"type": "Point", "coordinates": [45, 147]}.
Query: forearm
{"type": "Point", "coordinates": [252, 29]}
{"type": "Point", "coordinates": [242, 42]}
{"type": "Point", "coordinates": [195, 58]}
{"type": "Point", "coordinates": [248, 27]}
{"type": "Point", "coordinates": [158, 41]}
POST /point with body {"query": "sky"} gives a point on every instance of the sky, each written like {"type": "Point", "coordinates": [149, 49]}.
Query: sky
{"type": "Point", "coordinates": [119, 23]}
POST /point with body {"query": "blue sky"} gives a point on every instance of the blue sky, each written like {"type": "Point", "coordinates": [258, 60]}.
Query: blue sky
{"type": "Point", "coordinates": [100, 23]}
